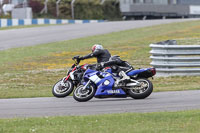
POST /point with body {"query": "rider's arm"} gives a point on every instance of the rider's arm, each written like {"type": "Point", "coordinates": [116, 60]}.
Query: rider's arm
{"type": "Point", "coordinates": [91, 55]}
{"type": "Point", "coordinates": [87, 56]}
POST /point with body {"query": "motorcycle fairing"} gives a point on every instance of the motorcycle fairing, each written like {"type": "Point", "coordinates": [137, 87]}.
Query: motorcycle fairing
{"type": "Point", "coordinates": [105, 88]}
{"type": "Point", "coordinates": [94, 76]}
{"type": "Point", "coordinates": [89, 72]}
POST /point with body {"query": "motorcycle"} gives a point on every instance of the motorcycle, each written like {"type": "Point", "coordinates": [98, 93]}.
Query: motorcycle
{"type": "Point", "coordinates": [104, 85]}
{"type": "Point", "coordinates": [65, 86]}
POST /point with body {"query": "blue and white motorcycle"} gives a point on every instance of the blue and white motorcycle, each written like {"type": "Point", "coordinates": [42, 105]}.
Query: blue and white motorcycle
{"type": "Point", "coordinates": [104, 85]}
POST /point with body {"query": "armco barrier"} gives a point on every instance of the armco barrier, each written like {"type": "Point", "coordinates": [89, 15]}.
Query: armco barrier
{"type": "Point", "coordinates": [171, 59]}
{"type": "Point", "coordinates": [17, 22]}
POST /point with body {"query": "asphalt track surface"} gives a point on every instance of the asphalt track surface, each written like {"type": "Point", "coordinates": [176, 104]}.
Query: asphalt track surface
{"type": "Point", "coordinates": [39, 35]}
{"type": "Point", "coordinates": [37, 107]}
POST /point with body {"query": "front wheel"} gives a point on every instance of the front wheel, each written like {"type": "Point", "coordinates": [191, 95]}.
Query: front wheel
{"type": "Point", "coordinates": [83, 95]}
{"type": "Point", "coordinates": [142, 91]}
{"type": "Point", "coordinates": [62, 90]}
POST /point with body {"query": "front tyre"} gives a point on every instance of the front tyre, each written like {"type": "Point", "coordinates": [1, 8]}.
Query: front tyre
{"type": "Point", "coordinates": [62, 90]}
{"type": "Point", "coordinates": [83, 95]}
{"type": "Point", "coordinates": [142, 91]}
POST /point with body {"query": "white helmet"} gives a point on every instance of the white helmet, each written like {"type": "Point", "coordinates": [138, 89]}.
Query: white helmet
{"type": "Point", "coordinates": [96, 47]}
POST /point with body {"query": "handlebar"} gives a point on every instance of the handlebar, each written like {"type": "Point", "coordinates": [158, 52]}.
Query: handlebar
{"type": "Point", "coordinates": [76, 59]}
{"type": "Point", "coordinates": [91, 66]}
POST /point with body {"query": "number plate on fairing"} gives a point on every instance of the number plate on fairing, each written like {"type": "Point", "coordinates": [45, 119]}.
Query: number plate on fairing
{"type": "Point", "coordinates": [95, 78]}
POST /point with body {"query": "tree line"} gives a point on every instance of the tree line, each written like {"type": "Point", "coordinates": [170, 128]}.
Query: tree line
{"type": "Point", "coordinates": [83, 9]}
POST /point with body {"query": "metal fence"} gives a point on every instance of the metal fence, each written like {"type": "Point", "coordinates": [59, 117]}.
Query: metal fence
{"type": "Point", "coordinates": [171, 59]}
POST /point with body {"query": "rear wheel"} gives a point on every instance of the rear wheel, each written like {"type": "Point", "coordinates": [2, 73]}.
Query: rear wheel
{"type": "Point", "coordinates": [83, 95]}
{"type": "Point", "coordinates": [142, 91]}
{"type": "Point", "coordinates": [62, 90]}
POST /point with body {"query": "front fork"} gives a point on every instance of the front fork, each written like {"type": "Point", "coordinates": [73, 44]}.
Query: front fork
{"type": "Point", "coordinates": [85, 86]}
{"type": "Point", "coordinates": [83, 90]}
{"type": "Point", "coordinates": [70, 75]}
{"type": "Point", "coordinates": [62, 83]}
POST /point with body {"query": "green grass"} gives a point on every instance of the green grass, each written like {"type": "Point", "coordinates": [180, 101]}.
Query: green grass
{"type": "Point", "coordinates": [162, 122]}
{"type": "Point", "coordinates": [32, 71]}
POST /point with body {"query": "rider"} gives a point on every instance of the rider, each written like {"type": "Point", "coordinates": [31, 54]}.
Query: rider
{"type": "Point", "coordinates": [118, 66]}
{"type": "Point", "coordinates": [99, 52]}
{"type": "Point", "coordinates": [104, 59]}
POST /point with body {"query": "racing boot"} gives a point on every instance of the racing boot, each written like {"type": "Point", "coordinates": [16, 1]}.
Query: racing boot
{"type": "Point", "coordinates": [122, 80]}
{"type": "Point", "coordinates": [123, 76]}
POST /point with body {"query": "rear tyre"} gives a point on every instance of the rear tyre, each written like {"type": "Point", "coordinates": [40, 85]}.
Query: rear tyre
{"type": "Point", "coordinates": [143, 91]}
{"type": "Point", "coordinates": [62, 91]}
{"type": "Point", "coordinates": [81, 95]}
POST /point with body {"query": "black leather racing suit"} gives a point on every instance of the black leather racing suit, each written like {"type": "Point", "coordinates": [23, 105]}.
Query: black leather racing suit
{"type": "Point", "coordinates": [118, 65]}
{"type": "Point", "coordinates": [102, 55]}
